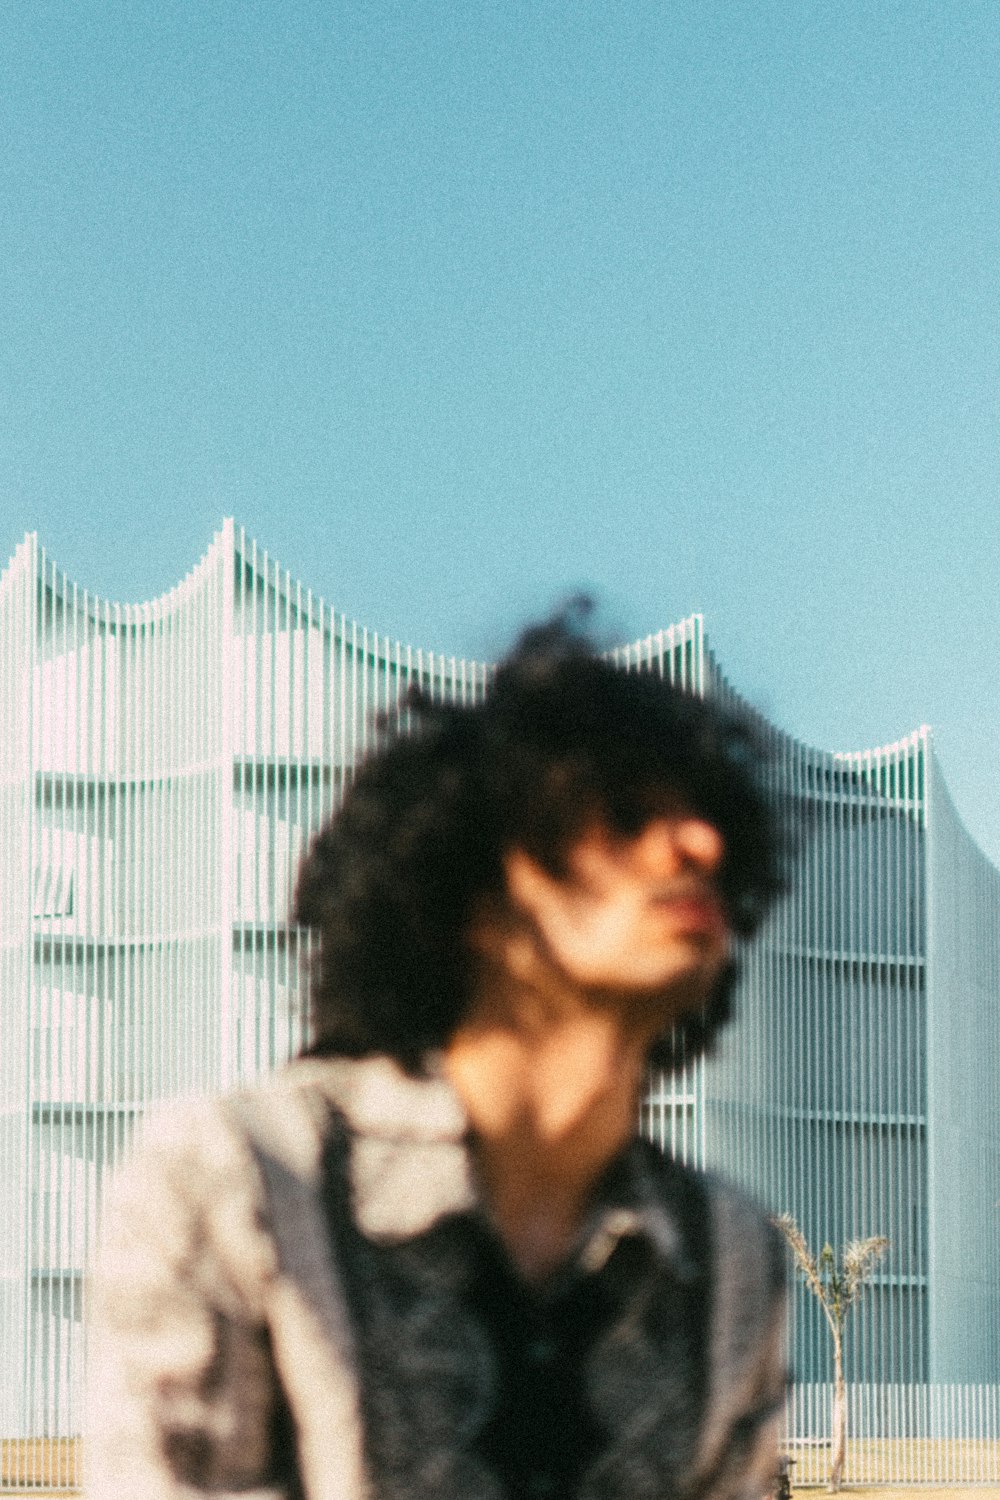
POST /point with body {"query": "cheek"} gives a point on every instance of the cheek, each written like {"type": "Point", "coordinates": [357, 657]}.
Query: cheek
{"type": "Point", "coordinates": [591, 943]}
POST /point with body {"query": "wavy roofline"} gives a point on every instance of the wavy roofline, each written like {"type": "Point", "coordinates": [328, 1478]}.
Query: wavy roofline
{"type": "Point", "coordinates": [230, 536]}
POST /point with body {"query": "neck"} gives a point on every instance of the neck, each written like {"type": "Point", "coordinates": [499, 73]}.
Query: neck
{"type": "Point", "coordinates": [550, 1080]}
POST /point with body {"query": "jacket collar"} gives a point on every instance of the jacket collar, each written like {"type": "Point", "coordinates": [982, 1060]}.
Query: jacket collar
{"type": "Point", "coordinates": [411, 1164]}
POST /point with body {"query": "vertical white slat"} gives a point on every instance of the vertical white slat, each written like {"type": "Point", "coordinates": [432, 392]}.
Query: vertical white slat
{"type": "Point", "coordinates": [246, 676]}
{"type": "Point", "coordinates": [251, 823]}
{"type": "Point", "coordinates": [270, 799]}
{"type": "Point", "coordinates": [73, 1091]}
{"type": "Point", "coordinates": [204, 894]}
{"type": "Point", "coordinates": [278, 917]}
{"type": "Point", "coordinates": [55, 1082]}
{"type": "Point", "coordinates": [179, 1038]}
{"type": "Point", "coordinates": [183, 1031]}
{"type": "Point", "coordinates": [245, 843]}
{"type": "Point", "coordinates": [309, 765]}
{"type": "Point", "coordinates": [198, 891]}
{"type": "Point", "coordinates": [293, 757]}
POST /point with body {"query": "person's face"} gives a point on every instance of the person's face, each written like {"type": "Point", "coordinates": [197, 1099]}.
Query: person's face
{"type": "Point", "coordinates": [635, 913]}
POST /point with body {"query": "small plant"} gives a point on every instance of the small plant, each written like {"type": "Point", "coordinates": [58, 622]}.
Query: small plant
{"type": "Point", "coordinates": [837, 1285]}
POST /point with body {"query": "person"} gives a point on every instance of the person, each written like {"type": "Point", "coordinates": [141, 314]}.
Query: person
{"type": "Point", "coordinates": [431, 1259]}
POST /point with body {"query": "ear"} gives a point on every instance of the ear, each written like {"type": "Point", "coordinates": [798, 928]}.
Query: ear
{"type": "Point", "coordinates": [528, 883]}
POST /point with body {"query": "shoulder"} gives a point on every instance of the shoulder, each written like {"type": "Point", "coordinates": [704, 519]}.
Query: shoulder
{"type": "Point", "coordinates": [224, 1166]}
{"type": "Point", "coordinates": [729, 1233]}
{"type": "Point", "coordinates": [200, 1143]}
{"type": "Point", "coordinates": [179, 1368]}
{"type": "Point", "coordinates": [739, 1239]}
{"type": "Point", "coordinates": [187, 1205]}
{"type": "Point", "coordinates": [199, 1158]}
{"type": "Point", "coordinates": [741, 1258]}
{"type": "Point", "coordinates": [747, 1352]}
{"type": "Point", "coordinates": [746, 1242]}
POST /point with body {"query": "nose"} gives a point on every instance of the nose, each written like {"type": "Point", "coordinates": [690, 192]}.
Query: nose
{"type": "Point", "coordinates": [671, 844]}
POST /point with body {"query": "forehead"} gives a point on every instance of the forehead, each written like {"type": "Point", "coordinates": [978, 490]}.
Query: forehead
{"type": "Point", "coordinates": [566, 808]}
{"type": "Point", "coordinates": [635, 808]}
{"type": "Point", "coordinates": [603, 835]}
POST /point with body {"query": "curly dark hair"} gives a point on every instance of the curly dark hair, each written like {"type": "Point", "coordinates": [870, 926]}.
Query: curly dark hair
{"type": "Point", "coordinates": [563, 737]}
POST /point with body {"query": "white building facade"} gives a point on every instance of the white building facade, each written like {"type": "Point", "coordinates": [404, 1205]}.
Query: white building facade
{"type": "Point", "coordinates": [164, 767]}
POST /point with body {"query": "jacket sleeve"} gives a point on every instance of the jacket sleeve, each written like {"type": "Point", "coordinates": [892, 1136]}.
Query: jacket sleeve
{"type": "Point", "coordinates": [752, 1469]}
{"type": "Point", "coordinates": [748, 1357]}
{"type": "Point", "coordinates": [182, 1397]}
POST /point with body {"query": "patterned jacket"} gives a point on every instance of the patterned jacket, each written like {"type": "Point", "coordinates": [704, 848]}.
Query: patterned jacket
{"type": "Point", "coordinates": [224, 1335]}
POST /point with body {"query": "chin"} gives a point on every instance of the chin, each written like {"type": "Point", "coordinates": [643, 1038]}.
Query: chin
{"type": "Point", "coordinates": [690, 988]}
{"type": "Point", "coordinates": [671, 998]}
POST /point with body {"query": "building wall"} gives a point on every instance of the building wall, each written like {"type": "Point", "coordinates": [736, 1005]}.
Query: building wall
{"type": "Point", "coordinates": [818, 1101]}
{"type": "Point", "coordinates": [168, 763]}
{"type": "Point", "coordinates": [123, 946]}
{"type": "Point", "coordinates": [963, 1067]}
{"type": "Point", "coordinates": [17, 649]}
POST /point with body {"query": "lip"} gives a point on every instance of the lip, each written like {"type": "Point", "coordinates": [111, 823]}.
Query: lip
{"type": "Point", "coordinates": [693, 911]}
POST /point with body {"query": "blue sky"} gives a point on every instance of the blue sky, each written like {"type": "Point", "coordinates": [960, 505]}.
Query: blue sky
{"type": "Point", "coordinates": [457, 307]}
